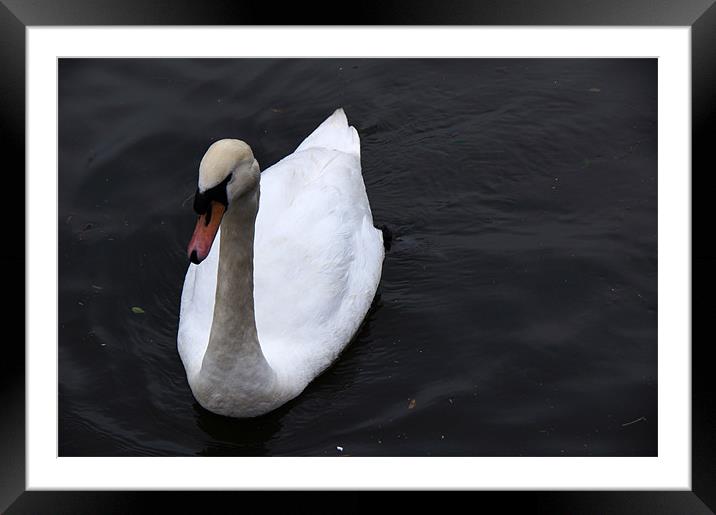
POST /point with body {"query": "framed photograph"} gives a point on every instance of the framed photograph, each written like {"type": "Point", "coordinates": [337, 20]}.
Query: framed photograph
{"type": "Point", "coordinates": [430, 251]}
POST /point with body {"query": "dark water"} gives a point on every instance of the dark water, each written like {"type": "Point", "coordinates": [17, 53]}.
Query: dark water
{"type": "Point", "coordinates": [518, 303]}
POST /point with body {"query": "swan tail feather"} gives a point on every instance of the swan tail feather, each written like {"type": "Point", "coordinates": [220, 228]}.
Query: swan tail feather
{"type": "Point", "coordinates": [334, 134]}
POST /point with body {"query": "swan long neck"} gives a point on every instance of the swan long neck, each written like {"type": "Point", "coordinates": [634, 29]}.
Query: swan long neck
{"type": "Point", "coordinates": [235, 379]}
{"type": "Point", "coordinates": [233, 331]}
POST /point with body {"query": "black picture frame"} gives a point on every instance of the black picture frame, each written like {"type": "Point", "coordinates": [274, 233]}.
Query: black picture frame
{"type": "Point", "coordinates": [17, 15]}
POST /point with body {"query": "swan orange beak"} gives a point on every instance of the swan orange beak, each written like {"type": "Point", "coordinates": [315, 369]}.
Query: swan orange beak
{"type": "Point", "coordinates": [206, 228]}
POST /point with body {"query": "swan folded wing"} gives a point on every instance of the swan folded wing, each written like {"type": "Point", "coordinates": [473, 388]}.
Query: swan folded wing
{"type": "Point", "coordinates": [314, 238]}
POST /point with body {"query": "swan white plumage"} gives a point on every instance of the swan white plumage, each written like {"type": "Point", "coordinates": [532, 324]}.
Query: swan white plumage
{"type": "Point", "coordinates": [284, 287]}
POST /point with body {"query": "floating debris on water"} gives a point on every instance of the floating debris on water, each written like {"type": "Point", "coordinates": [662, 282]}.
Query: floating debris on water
{"type": "Point", "coordinates": [339, 448]}
{"type": "Point", "coordinates": [411, 404]}
{"type": "Point", "coordinates": [137, 310]}
{"type": "Point", "coordinates": [634, 421]}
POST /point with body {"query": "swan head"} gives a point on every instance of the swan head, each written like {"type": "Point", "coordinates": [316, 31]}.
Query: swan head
{"type": "Point", "coordinates": [227, 171]}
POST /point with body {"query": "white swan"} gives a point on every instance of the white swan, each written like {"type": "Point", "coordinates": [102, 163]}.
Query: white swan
{"type": "Point", "coordinates": [295, 280]}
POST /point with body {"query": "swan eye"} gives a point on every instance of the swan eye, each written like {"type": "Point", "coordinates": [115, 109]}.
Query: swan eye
{"type": "Point", "coordinates": [217, 193]}
{"type": "Point", "coordinates": [201, 202]}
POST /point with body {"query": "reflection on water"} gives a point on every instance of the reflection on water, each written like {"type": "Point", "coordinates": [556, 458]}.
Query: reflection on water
{"type": "Point", "coordinates": [517, 308]}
